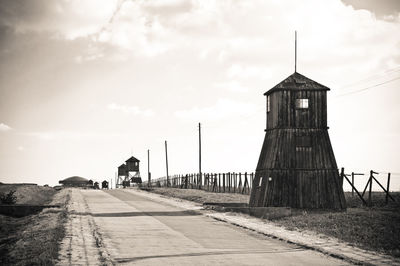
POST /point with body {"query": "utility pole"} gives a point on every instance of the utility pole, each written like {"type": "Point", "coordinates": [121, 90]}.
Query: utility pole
{"type": "Point", "coordinates": [166, 161]}
{"type": "Point", "coordinates": [295, 51]}
{"type": "Point", "coordinates": [148, 168]}
{"type": "Point", "coordinates": [200, 154]}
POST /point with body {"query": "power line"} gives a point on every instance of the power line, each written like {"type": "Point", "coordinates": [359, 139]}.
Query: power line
{"type": "Point", "coordinates": [367, 88]}
{"type": "Point", "coordinates": [387, 72]}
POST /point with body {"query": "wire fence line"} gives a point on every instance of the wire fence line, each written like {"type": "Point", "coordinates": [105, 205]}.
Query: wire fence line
{"type": "Point", "coordinates": [230, 182]}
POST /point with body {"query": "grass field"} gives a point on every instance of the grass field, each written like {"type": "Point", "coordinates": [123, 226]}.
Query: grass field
{"type": "Point", "coordinates": [376, 228]}
{"type": "Point", "coordinates": [33, 239]}
{"type": "Point", "coordinates": [30, 194]}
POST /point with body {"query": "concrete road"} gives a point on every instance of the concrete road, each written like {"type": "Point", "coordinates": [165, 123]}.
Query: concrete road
{"type": "Point", "coordinates": [137, 230]}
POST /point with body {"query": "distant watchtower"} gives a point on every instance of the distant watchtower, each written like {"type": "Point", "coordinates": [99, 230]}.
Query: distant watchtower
{"type": "Point", "coordinates": [132, 170]}
{"type": "Point", "coordinates": [132, 164]}
{"type": "Point", "coordinates": [129, 173]}
{"type": "Point", "coordinates": [297, 167]}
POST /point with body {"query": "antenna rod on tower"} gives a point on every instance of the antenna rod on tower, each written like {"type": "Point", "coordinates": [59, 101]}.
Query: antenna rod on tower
{"type": "Point", "coordinates": [295, 51]}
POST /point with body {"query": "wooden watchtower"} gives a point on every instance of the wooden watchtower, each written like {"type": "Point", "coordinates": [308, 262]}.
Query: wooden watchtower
{"type": "Point", "coordinates": [132, 170]}
{"type": "Point", "coordinates": [129, 172]}
{"type": "Point", "coordinates": [297, 167]}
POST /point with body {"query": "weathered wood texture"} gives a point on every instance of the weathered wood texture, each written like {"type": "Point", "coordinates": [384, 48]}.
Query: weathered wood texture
{"type": "Point", "coordinates": [122, 170]}
{"type": "Point", "coordinates": [132, 164]}
{"type": "Point", "coordinates": [284, 114]}
{"type": "Point", "coordinates": [297, 167]}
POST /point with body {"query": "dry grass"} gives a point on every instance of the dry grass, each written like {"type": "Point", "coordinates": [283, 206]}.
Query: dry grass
{"type": "Point", "coordinates": [30, 194]}
{"type": "Point", "coordinates": [201, 196]}
{"type": "Point", "coordinates": [33, 240]}
{"type": "Point", "coordinates": [376, 228]}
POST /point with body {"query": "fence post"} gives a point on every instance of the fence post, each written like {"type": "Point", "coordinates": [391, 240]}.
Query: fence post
{"type": "Point", "coordinates": [370, 189]}
{"type": "Point", "coordinates": [251, 180]}
{"type": "Point", "coordinates": [244, 182]}
{"type": "Point", "coordinates": [352, 182]}
{"type": "Point", "coordinates": [229, 181]}
{"type": "Point", "coordinates": [234, 181]}
{"type": "Point", "coordinates": [240, 182]}
{"type": "Point", "coordinates": [219, 182]}
{"type": "Point", "coordinates": [387, 188]}
{"type": "Point", "coordinates": [223, 181]}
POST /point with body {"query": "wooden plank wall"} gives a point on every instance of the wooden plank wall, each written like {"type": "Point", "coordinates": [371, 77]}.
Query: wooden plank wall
{"type": "Point", "coordinates": [298, 189]}
{"type": "Point", "coordinates": [297, 166]}
{"type": "Point", "coordinates": [284, 114]}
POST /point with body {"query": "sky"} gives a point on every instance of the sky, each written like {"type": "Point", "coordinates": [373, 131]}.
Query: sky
{"type": "Point", "coordinates": [86, 84]}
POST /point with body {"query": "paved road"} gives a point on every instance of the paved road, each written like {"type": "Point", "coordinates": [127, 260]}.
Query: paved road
{"type": "Point", "coordinates": [132, 229]}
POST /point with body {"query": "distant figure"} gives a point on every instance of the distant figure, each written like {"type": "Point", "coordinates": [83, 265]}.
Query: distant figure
{"type": "Point", "coordinates": [96, 185]}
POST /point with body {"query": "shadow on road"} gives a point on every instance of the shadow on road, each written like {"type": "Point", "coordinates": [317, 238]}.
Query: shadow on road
{"type": "Point", "coordinates": [132, 214]}
{"type": "Point", "coordinates": [209, 253]}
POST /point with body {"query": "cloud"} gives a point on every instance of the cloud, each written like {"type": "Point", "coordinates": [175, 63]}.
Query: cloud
{"type": "Point", "coordinates": [384, 9]}
{"type": "Point", "coordinates": [70, 135]}
{"type": "Point", "coordinates": [4, 127]}
{"type": "Point", "coordinates": [223, 109]}
{"type": "Point", "coordinates": [70, 19]}
{"type": "Point", "coordinates": [231, 85]}
{"type": "Point", "coordinates": [130, 110]}
{"type": "Point", "coordinates": [240, 71]}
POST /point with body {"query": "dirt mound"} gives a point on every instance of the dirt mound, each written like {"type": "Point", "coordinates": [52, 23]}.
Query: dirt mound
{"type": "Point", "coordinates": [29, 194]}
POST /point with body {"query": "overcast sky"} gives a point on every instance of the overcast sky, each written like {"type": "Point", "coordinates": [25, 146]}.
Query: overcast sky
{"type": "Point", "coordinates": [86, 84]}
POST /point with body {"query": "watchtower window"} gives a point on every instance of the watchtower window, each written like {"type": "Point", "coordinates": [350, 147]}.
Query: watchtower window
{"type": "Point", "coordinates": [302, 103]}
{"type": "Point", "coordinates": [268, 104]}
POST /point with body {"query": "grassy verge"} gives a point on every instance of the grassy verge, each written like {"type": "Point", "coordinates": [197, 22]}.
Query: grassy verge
{"type": "Point", "coordinates": [201, 196]}
{"type": "Point", "coordinates": [33, 239]}
{"type": "Point", "coordinates": [376, 228]}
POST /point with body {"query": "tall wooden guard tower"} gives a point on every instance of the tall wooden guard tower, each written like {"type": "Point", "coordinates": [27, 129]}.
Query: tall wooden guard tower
{"type": "Point", "coordinates": [132, 168]}
{"type": "Point", "coordinates": [129, 172]}
{"type": "Point", "coordinates": [297, 167]}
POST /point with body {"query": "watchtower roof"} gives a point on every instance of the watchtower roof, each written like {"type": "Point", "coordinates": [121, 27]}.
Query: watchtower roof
{"type": "Point", "coordinates": [297, 81]}
{"type": "Point", "coordinates": [132, 159]}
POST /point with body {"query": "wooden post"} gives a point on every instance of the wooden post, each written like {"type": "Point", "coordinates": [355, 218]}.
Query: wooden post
{"type": "Point", "coordinates": [251, 180]}
{"type": "Point", "coordinates": [166, 159]}
{"type": "Point", "coordinates": [229, 176]}
{"type": "Point", "coordinates": [352, 182]}
{"type": "Point", "coordinates": [223, 181]}
{"type": "Point", "coordinates": [148, 169]}
{"type": "Point", "coordinates": [219, 182]}
{"type": "Point", "coordinates": [358, 193]}
{"type": "Point", "coordinates": [370, 189]}
{"type": "Point", "coordinates": [200, 154]}
{"type": "Point", "coordinates": [244, 182]}
{"type": "Point", "coordinates": [387, 188]}
{"type": "Point", "coordinates": [234, 181]}
{"type": "Point", "coordinates": [386, 191]}
{"type": "Point", "coordinates": [240, 182]}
